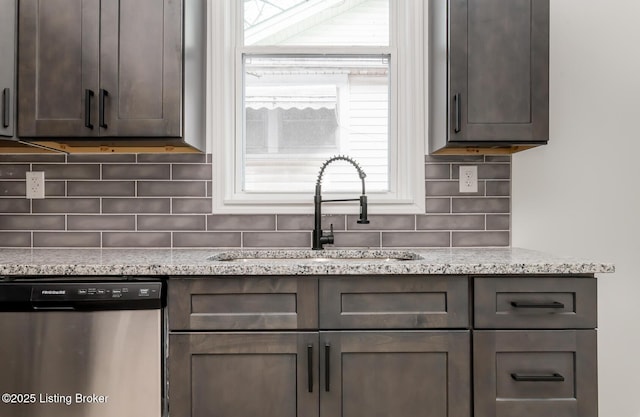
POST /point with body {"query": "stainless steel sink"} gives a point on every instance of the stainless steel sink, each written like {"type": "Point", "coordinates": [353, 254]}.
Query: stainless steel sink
{"type": "Point", "coordinates": [305, 255]}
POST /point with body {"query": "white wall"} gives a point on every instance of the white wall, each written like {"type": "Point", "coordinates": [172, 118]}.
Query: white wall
{"type": "Point", "coordinates": [580, 195]}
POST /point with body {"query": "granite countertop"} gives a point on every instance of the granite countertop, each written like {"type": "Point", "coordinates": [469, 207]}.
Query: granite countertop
{"type": "Point", "coordinates": [180, 262]}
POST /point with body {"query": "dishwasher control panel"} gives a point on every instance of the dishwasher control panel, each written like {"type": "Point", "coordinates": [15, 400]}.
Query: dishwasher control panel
{"type": "Point", "coordinates": [96, 291]}
{"type": "Point", "coordinates": [89, 295]}
{"type": "Point", "coordinates": [118, 295]}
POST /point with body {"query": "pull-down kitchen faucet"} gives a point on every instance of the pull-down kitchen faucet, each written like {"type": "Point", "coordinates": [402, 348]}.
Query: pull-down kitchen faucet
{"type": "Point", "coordinates": [319, 238]}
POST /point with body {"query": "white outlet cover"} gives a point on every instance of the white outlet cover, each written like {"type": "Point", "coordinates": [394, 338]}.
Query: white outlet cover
{"type": "Point", "coordinates": [35, 184]}
{"type": "Point", "coordinates": [468, 179]}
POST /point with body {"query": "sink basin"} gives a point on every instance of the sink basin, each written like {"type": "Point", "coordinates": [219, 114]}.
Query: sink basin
{"type": "Point", "coordinates": [306, 255]}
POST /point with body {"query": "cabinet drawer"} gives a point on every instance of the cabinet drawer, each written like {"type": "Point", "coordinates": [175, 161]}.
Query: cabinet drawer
{"type": "Point", "coordinates": [535, 303]}
{"type": "Point", "coordinates": [535, 373]}
{"type": "Point", "coordinates": [254, 303]}
{"type": "Point", "coordinates": [394, 302]}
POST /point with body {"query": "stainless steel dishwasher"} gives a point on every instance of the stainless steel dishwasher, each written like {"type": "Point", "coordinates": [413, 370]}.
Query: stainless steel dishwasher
{"type": "Point", "coordinates": [85, 348]}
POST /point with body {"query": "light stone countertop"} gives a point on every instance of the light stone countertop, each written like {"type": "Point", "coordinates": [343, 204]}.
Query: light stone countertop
{"type": "Point", "coordinates": [183, 262]}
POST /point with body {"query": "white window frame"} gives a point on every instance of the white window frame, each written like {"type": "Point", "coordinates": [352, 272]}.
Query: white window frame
{"type": "Point", "coordinates": [408, 116]}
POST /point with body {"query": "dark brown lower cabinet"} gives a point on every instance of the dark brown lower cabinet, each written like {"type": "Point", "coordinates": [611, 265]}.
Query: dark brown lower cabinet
{"type": "Point", "coordinates": [395, 374]}
{"type": "Point", "coordinates": [387, 346]}
{"type": "Point", "coordinates": [243, 374]}
{"type": "Point", "coordinates": [328, 374]}
{"type": "Point", "coordinates": [535, 373]}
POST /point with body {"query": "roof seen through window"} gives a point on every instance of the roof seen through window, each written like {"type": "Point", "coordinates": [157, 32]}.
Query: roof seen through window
{"type": "Point", "coordinates": [316, 22]}
{"type": "Point", "coordinates": [259, 11]}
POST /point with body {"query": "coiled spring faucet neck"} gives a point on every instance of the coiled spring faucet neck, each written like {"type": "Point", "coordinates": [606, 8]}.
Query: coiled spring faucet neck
{"type": "Point", "coordinates": [361, 173]}
{"type": "Point", "coordinates": [319, 238]}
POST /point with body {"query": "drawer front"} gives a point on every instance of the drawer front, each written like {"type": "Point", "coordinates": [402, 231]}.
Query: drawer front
{"type": "Point", "coordinates": [535, 303]}
{"type": "Point", "coordinates": [253, 303]}
{"type": "Point", "coordinates": [394, 302]}
{"type": "Point", "coordinates": [535, 373]}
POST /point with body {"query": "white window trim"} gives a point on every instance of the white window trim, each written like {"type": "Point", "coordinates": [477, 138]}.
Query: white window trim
{"type": "Point", "coordinates": [408, 79]}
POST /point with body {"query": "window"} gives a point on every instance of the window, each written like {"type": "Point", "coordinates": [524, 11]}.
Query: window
{"type": "Point", "coordinates": [294, 82]}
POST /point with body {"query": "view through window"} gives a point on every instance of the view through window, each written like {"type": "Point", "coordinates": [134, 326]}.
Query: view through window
{"type": "Point", "coordinates": [305, 99]}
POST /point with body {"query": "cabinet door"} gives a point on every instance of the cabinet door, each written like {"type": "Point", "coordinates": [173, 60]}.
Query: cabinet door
{"type": "Point", "coordinates": [399, 374]}
{"type": "Point", "coordinates": [535, 373]}
{"type": "Point", "coordinates": [243, 374]}
{"type": "Point", "coordinates": [499, 70]}
{"type": "Point", "coordinates": [141, 68]}
{"type": "Point", "coordinates": [7, 66]}
{"type": "Point", "coordinates": [58, 67]}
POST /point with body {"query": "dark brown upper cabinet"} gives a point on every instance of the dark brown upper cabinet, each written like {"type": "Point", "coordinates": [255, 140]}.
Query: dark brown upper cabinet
{"type": "Point", "coordinates": [7, 67]}
{"type": "Point", "coordinates": [489, 75]}
{"type": "Point", "coordinates": [91, 68]}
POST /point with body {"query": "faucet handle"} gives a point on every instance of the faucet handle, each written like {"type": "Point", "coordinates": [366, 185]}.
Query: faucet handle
{"type": "Point", "coordinates": [329, 238]}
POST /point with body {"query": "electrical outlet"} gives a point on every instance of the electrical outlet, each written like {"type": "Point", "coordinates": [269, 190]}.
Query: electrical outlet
{"type": "Point", "coordinates": [468, 179]}
{"type": "Point", "coordinates": [35, 184]}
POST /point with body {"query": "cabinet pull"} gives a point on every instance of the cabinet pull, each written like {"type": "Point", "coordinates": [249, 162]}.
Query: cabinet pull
{"type": "Point", "coordinates": [6, 101]}
{"type": "Point", "coordinates": [103, 93]}
{"type": "Point", "coordinates": [457, 105]}
{"type": "Point", "coordinates": [310, 367]}
{"type": "Point", "coordinates": [87, 108]}
{"type": "Point", "coordinates": [529, 304]}
{"type": "Point", "coordinates": [327, 368]}
{"type": "Point", "coordinates": [554, 377]}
